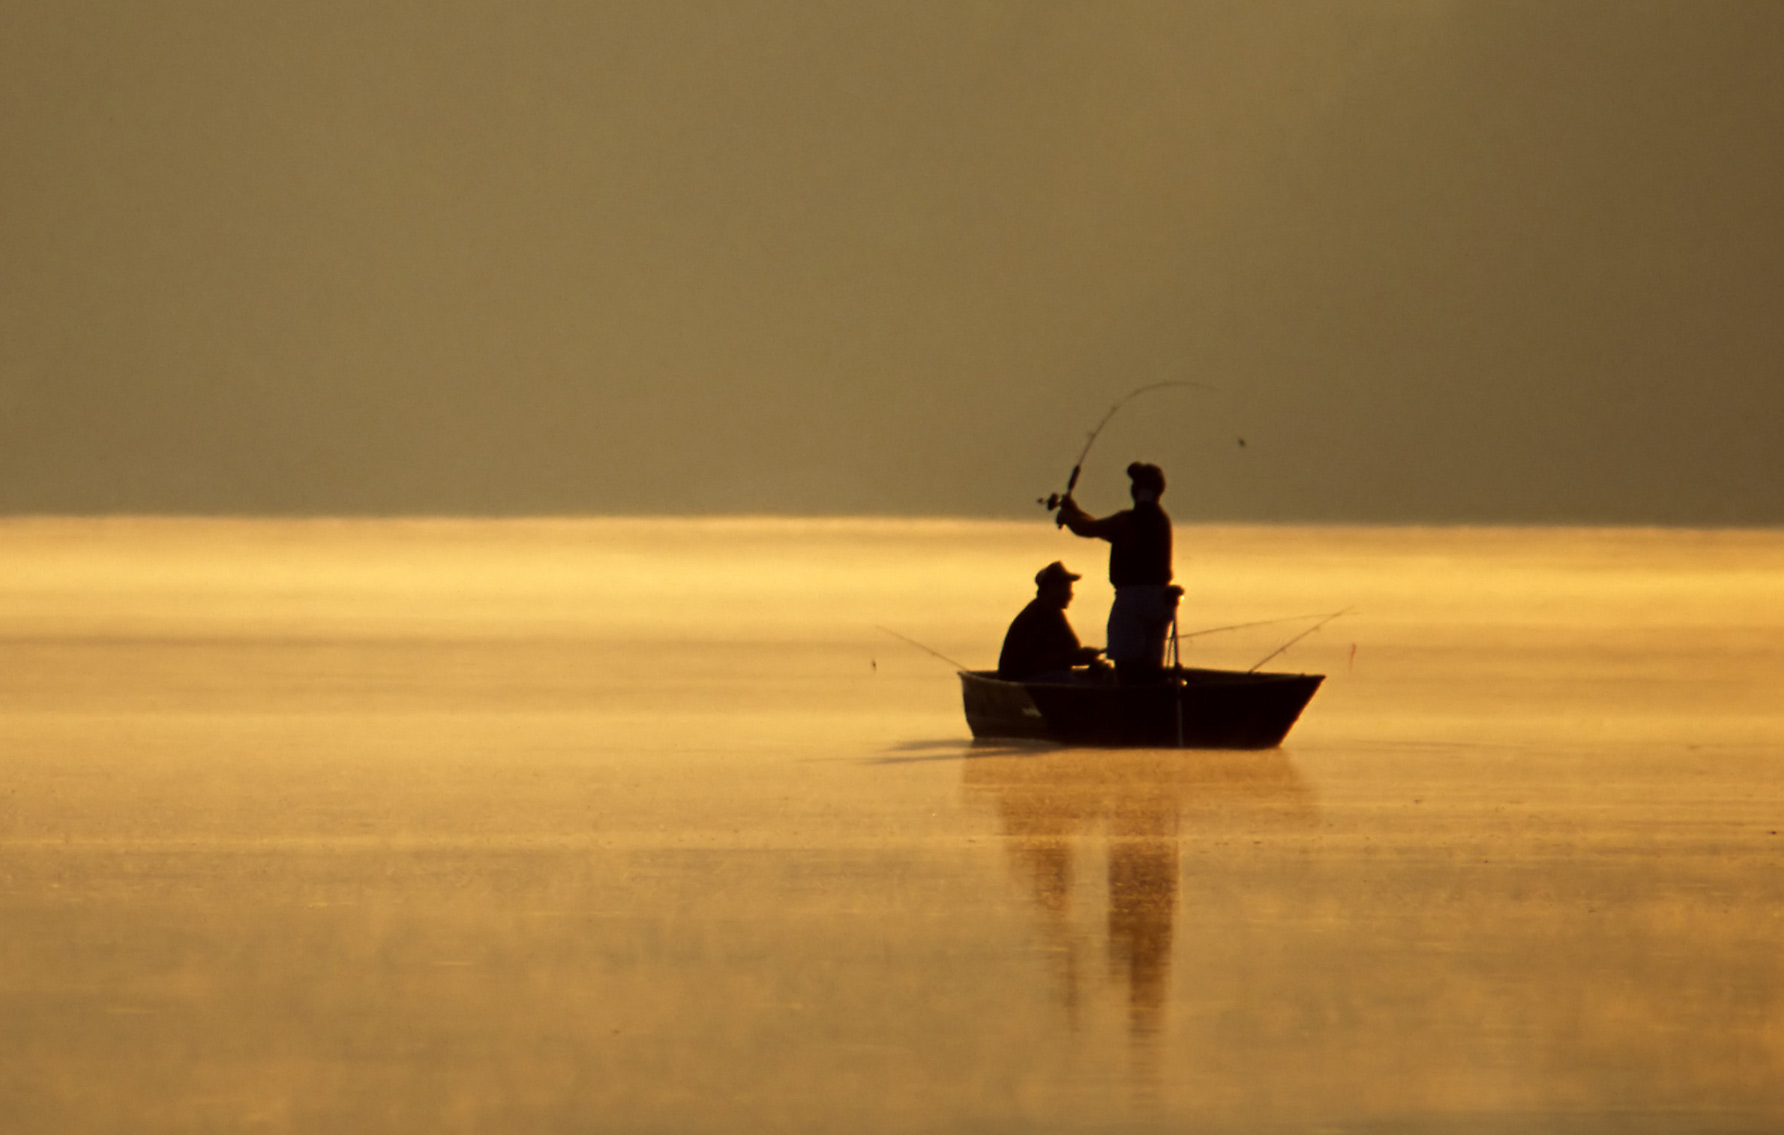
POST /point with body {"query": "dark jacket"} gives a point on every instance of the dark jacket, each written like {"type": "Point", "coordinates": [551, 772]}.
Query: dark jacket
{"type": "Point", "coordinates": [1039, 639]}
{"type": "Point", "coordinates": [1139, 543]}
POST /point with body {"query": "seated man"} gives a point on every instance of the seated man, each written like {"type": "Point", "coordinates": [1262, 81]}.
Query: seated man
{"type": "Point", "coordinates": [1040, 644]}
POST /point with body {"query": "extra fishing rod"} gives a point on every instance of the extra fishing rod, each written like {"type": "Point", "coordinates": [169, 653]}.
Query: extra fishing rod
{"type": "Point", "coordinates": [1053, 500]}
{"type": "Point", "coordinates": [1248, 626]}
{"type": "Point", "coordinates": [1298, 638]}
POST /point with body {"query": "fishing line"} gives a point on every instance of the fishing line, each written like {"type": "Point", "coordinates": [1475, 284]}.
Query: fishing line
{"type": "Point", "coordinates": [924, 649]}
{"type": "Point", "coordinates": [1053, 500]}
{"type": "Point", "coordinates": [1298, 638]}
{"type": "Point", "coordinates": [1247, 626]}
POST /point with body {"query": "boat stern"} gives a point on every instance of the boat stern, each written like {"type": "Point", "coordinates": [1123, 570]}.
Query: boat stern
{"type": "Point", "coordinates": [995, 708]}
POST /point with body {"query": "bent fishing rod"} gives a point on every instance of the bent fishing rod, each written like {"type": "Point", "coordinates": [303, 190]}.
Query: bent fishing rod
{"type": "Point", "coordinates": [1054, 500]}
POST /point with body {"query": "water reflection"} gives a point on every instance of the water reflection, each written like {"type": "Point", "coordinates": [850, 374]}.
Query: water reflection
{"type": "Point", "coordinates": [1061, 810]}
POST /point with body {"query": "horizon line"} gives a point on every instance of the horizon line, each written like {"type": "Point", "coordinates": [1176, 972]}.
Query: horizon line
{"type": "Point", "coordinates": [823, 518]}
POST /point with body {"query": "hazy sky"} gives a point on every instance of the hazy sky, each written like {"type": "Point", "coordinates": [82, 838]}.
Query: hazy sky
{"type": "Point", "coordinates": [1479, 261]}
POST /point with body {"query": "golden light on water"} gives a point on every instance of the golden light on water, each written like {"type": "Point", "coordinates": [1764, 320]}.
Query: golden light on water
{"type": "Point", "coordinates": [643, 825]}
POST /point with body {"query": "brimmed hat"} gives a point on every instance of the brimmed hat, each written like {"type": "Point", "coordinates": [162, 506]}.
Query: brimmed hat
{"type": "Point", "coordinates": [1053, 571]}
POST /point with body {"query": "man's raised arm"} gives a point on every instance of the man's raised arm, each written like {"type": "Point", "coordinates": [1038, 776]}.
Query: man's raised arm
{"type": "Point", "coordinates": [1083, 524]}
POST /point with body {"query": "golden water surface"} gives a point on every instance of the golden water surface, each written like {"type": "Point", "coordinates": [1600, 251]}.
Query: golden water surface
{"type": "Point", "coordinates": [643, 826]}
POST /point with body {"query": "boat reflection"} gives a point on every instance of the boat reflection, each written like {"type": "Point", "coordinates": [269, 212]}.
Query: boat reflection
{"type": "Point", "coordinates": [1061, 810]}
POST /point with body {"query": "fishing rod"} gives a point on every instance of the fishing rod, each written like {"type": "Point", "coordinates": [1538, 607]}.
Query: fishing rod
{"type": "Point", "coordinates": [920, 646]}
{"type": "Point", "coordinates": [1248, 626]}
{"type": "Point", "coordinates": [1298, 638]}
{"type": "Point", "coordinates": [1053, 500]}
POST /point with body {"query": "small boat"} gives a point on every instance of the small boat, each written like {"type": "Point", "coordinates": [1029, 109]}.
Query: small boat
{"type": "Point", "coordinates": [1190, 709]}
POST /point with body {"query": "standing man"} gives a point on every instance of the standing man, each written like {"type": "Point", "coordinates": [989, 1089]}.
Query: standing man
{"type": "Point", "coordinates": [1140, 568]}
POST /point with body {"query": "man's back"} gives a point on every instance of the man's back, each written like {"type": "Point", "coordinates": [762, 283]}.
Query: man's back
{"type": "Point", "coordinates": [1141, 552]}
{"type": "Point", "coordinates": [1040, 639]}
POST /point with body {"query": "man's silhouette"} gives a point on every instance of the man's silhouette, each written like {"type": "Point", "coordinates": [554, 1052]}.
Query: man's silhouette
{"type": "Point", "coordinates": [1140, 568]}
{"type": "Point", "coordinates": [1040, 644]}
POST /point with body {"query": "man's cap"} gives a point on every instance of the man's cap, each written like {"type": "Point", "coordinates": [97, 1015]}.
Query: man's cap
{"type": "Point", "coordinates": [1145, 475]}
{"type": "Point", "coordinates": [1051, 572]}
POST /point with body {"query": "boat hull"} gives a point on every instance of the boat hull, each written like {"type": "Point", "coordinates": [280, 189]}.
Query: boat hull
{"type": "Point", "coordinates": [1205, 709]}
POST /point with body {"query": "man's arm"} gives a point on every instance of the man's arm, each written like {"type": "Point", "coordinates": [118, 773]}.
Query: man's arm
{"type": "Point", "coordinates": [1083, 524]}
{"type": "Point", "coordinates": [1062, 650]}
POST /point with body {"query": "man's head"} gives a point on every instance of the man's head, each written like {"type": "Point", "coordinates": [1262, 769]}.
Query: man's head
{"type": "Point", "coordinates": [1148, 482]}
{"type": "Point", "coordinates": [1053, 585]}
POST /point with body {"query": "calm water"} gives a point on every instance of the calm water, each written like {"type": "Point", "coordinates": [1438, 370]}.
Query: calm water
{"type": "Point", "coordinates": [642, 826]}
